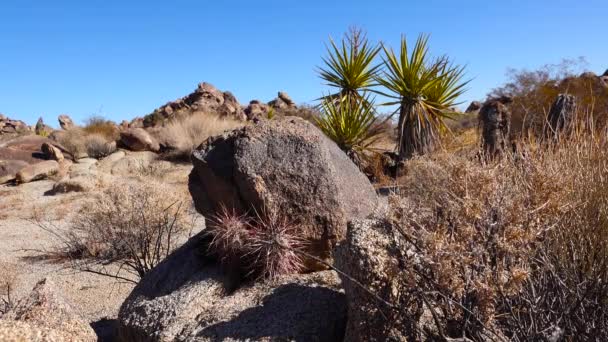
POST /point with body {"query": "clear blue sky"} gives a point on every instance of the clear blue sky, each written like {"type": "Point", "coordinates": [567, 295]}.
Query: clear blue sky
{"type": "Point", "coordinates": [122, 59]}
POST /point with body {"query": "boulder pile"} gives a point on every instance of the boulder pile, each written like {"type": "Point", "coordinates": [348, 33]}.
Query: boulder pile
{"type": "Point", "coordinates": [8, 126]}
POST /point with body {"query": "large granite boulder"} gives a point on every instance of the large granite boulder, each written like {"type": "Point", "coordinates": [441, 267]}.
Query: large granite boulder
{"type": "Point", "coordinates": [188, 298]}
{"type": "Point", "coordinates": [44, 313]}
{"type": "Point", "coordinates": [286, 165]}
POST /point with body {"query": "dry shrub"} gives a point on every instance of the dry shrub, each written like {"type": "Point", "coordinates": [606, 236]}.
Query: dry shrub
{"type": "Point", "coordinates": [101, 126]}
{"type": "Point", "coordinates": [306, 112]}
{"type": "Point", "coordinates": [98, 146]}
{"type": "Point", "coordinates": [513, 249]}
{"type": "Point", "coordinates": [8, 281]}
{"type": "Point", "coordinates": [73, 141]}
{"type": "Point", "coordinates": [133, 225]}
{"type": "Point", "coordinates": [533, 93]}
{"type": "Point", "coordinates": [186, 133]}
{"type": "Point", "coordinates": [264, 246]}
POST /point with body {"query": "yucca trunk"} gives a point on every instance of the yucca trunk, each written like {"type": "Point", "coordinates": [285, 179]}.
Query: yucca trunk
{"type": "Point", "coordinates": [416, 135]}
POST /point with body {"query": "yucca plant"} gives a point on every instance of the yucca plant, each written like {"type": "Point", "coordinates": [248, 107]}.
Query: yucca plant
{"type": "Point", "coordinates": [424, 90]}
{"type": "Point", "coordinates": [350, 67]}
{"type": "Point", "coordinates": [353, 125]}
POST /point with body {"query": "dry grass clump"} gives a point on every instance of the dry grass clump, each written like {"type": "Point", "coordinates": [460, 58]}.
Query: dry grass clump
{"type": "Point", "coordinates": [101, 126]}
{"type": "Point", "coordinates": [513, 249]}
{"type": "Point", "coordinates": [264, 246]}
{"type": "Point", "coordinates": [133, 225]}
{"type": "Point", "coordinates": [81, 142]}
{"type": "Point", "coordinates": [98, 146]}
{"type": "Point", "coordinates": [186, 133]}
{"type": "Point", "coordinates": [8, 280]}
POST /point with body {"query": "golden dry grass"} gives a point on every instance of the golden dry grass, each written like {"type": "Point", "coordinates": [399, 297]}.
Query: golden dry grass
{"type": "Point", "coordinates": [186, 133]}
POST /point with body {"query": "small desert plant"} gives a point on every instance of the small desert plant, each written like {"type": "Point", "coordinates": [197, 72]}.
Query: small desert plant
{"type": "Point", "coordinates": [351, 124]}
{"type": "Point", "coordinates": [425, 91]}
{"type": "Point", "coordinates": [132, 225]}
{"type": "Point", "coordinates": [8, 280]}
{"type": "Point", "coordinates": [186, 133]}
{"type": "Point", "coordinates": [98, 146]}
{"type": "Point", "coordinates": [263, 246]}
{"type": "Point", "coordinates": [101, 126]}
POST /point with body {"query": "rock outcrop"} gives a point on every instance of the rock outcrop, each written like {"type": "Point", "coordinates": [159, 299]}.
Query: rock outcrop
{"type": "Point", "coordinates": [138, 139]}
{"type": "Point", "coordinates": [51, 152]}
{"type": "Point", "coordinates": [284, 165]}
{"type": "Point", "coordinates": [188, 298]}
{"type": "Point", "coordinates": [44, 316]}
{"type": "Point", "coordinates": [206, 98]}
{"type": "Point", "coordinates": [9, 169]}
{"type": "Point", "coordinates": [9, 126]}
{"type": "Point", "coordinates": [495, 118]}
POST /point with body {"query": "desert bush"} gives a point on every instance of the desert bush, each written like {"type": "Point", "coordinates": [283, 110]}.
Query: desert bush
{"type": "Point", "coordinates": [186, 133]}
{"type": "Point", "coordinates": [515, 248]}
{"type": "Point", "coordinates": [8, 280]}
{"type": "Point", "coordinates": [101, 126]}
{"type": "Point", "coordinates": [73, 141]}
{"type": "Point", "coordinates": [534, 91]}
{"type": "Point", "coordinates": [306, 112]}
{"type": "Point", "coordinates": [261, 246]}
{"type": "Point", "coordinates": [97, 146]}
{"type": "Point", "coordinates": [132, 225]}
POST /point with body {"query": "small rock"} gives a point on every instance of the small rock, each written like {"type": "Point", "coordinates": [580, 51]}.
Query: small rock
{"type": "Point", "coordinates": [37, 171]}
{"type": "Point", "coordinates": [65, 122]}
{"type": "Point", "coordinates": [283, 96]}
{"type": "Point", "coordinates": [137, 139]}
{"type": "Point", "coordinates": [51, 152]}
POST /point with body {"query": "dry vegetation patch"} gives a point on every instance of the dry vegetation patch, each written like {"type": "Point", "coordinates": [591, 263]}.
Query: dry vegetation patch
{"type": "Point", "coordinates": [515, 248]}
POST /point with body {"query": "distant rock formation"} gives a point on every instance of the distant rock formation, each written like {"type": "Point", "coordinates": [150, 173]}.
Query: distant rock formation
{"type": "Point", "coordinates": [495, 119]}
{"type": "Point", "coordinates": [473, 107]}
{"type": "Point", "coordinates": [8, 126]}
{"type": "Point", "coordinates": [206, 98]}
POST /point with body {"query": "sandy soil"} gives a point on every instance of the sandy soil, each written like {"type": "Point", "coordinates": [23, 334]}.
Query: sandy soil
{"type": "Point", "coordinates": [24, 243]}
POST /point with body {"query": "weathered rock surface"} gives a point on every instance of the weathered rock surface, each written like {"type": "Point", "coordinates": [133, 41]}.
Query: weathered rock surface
{"type": "Point", "coordinates": [368, 255]}
{"type": "Point", "coordinates": [495, 117]}
{"type": "Point", "coordinates": [44, 313]}
{"type": "Point", "coordinates": [65, 122]}
{"type": "Point", "coordinates": [9, 169]}
{"type": "Point", "coordinates": [561, 114]}
{"type": "Point", "coordinates": [187, 298]}
{"type": "Point", "coordinates": [37, 171]}
{"type": "Point", "coordinates": [256, 109]}
{"type": "Point", "coordinates": [137, 139]}
{"type": "Point", "coordinates": [206, 98]}
{"type": "Point", "coordinates": [285, 165]}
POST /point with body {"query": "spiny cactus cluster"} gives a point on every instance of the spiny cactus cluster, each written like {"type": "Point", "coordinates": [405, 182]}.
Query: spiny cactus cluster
{"type": "Point", "coordinates": [264, 246]}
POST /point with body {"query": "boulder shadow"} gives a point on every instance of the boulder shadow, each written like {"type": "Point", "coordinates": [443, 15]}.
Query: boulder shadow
{"type": "Point", "coordinates": [293, 312]}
